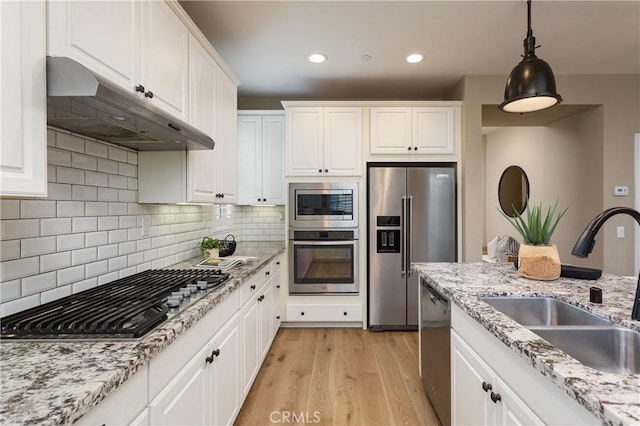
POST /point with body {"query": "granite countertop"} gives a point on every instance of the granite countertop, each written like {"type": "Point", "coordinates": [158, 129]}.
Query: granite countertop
{"type": "Point", "coordinates": [612, 398]}
{"type": "Point", "coordinates": [57, 382]}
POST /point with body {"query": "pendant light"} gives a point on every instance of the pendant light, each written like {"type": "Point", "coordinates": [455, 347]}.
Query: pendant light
{"type": "Point", "coordinates": [531, 85]}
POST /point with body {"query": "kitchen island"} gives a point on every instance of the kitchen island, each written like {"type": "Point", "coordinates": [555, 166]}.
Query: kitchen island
{"type": "Point", "coordinates": [57, 382]}
{"type": "Point", "coordinates": [611, 398]}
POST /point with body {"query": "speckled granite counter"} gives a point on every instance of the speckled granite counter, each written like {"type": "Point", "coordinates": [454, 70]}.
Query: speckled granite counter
{"type": "Point", "coordinates": [58, 382]}
{"type": "Point", "coordinates": [612, 398]}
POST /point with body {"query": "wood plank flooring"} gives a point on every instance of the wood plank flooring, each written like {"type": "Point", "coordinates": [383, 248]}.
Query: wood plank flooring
{"type": "Point", "coordinates": [339, 376]}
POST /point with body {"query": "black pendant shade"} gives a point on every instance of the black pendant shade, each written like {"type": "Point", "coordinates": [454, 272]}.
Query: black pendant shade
{"type": "Point", "coordinates": [531, 85]}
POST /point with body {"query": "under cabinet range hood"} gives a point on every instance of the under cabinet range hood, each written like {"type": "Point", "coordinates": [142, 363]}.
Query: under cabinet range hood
{"type": "Point", "coordinates": [82, 102]}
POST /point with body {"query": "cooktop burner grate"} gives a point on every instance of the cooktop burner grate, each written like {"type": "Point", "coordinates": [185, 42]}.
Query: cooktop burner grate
{"type": "Point", "coordinates": [126, 308]}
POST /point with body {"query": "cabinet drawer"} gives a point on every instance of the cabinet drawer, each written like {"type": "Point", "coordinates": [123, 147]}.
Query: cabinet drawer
{"type": "Point", "coordinates": [323, 312]}
{"type": "Point", "coordinates": [253, 284]}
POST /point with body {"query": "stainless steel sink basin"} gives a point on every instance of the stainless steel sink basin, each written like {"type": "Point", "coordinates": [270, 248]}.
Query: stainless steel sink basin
{"type": "Point", "coordinates": [609, 349]}
{"type": "Point", "coordinates": [547, 311]}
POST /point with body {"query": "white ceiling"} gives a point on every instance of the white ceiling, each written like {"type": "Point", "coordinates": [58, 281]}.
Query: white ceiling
{"type": "Point", "coordinates": [266, 43]}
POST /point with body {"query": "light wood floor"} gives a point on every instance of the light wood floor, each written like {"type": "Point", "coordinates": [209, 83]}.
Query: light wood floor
{"type": "Point", "coordinates": [339, 376]}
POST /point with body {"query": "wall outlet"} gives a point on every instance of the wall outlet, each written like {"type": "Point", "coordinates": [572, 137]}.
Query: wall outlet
{"type": "Point", "coordinates": [620, 191]}
{"type": "Point", "coordinates": [620, 231]}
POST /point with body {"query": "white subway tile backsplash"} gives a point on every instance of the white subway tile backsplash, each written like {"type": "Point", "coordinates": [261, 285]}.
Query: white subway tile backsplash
{"type": "Point", "coordinates": [127, 196]}
{"type": "Point", "coordinates": [135, 259]}
{"type": "Point", "coordinates": [30, 209]}
{"type": "Point", "coordinates": [84, 285]}
{"type": "Point", "coordinates": [96, 209]}
{"type": "Point", "coordinates": [97, 268]}
{"type": "Point", "coordinates": [70, 208]}
{"type": "Point", "coordinates": [59, 191]}
{"type": "Point", "coordinates": [51, 137]}
{"type": "Point", "coordinates": [125, 169]}
{"type": "Point", "coordinates": [10, 250]}
{"type": "Point", "coordinates": [96, 179]}
{"type": "Point", "coordinates": [132, 157]}
{"type": "Point", "coordinates": [85, 162]}
{"type": "Point", "coordinates": [134, 209]}
{"type": "Point", "coordinates": [55, 226]}
{"type": "Point", "coordinates": [107, 166]}
{"type": "Point", "coordinates": [123, 273]}
{"type": "Point", "coordinates": [107, 194]}
{"type": "Point", "coordinates": [70, 275]}
{"type": "Point", "coordinates": [143, 267]}
{"type": "Point", "coordinates": [143, 245]}
{"type": "Point", "coordinates": [19, 305]}
{"type": "Point", "coordinates": [127, 248]}
{"type": "Point", "coordinates": [117, 181]}
{"type": "Point", "coordinates": [51, 173]}
{"type": "Point", "coordinates": [117, 209]}
{"type": "Point", "coordinates": [132, 183]}
{"type": "Point", "coordinates": [107, 222]}
{"type": "Point", "coordinates": [69, 142]}
{"type": "Point", "coordinates": [9, 290]}
{"type": "Point", "coordinates": [96, 149]}
{"type": "Point", "coordinates": [157, 242]}
{"type": "Point", "coordinates": [117, 154]}
{"type": "Point", "coordinates": [10, 209]}
{"type": "Point", "coordinates": [164, 251]}
{"type": "Point", "coordinates": [127, 222]}
{"type": "Point", "coordinates": [107, 278]}
{"type": "Point", "coordinates": [92, 239]}
{"type": "Point", "coordinates": [117, 236]}
{"type": "Point", "coordinates": [84, 193]}
{"type": "Point", "coordinates": [55, 294]}
{"type": "Point", "coordinates": [19, 268]}
{"type": "Point", "coordinates": [158, 264]}
{"type": "Point", "coordinates": [84, 224]}
{"type": "Point", "coordinates": [69, 175]}
{"type": "Point", "coordinates": [134, 234]}
{"type": "Point", "coordinates": [117, 263]}
{"type": "Point", "coordinates": [106, 252]}
{"type": "Point", "coordinates": [51, 262]}
{"type": "Point", "coordinates": [85, 255]}
{"type": "Point", "coordinates": [150, 255]}
{"type": "Point", "coordinates": [21, 228]}
{"type": "Point", "coordinates": [58, 157]}
{"type": "Point", "coordinates": [37, 246]}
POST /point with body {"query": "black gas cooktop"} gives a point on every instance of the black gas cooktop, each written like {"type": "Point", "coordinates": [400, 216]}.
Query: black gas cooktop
{"type": "Point", "coordinates": [126, 308]}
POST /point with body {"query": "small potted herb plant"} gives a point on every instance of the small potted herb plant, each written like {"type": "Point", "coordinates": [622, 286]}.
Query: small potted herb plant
{"type": "Point", "coordinates": [537, 258]}
{"type": "Point", "coordinates": [209, 247]}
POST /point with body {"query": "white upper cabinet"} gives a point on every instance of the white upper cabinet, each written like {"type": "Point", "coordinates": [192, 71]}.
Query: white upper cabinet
{"type": "Point", "coordinates": [23, 147]}
{"type": "Point", "coordinates": [226, 138]}
{"type": "Point", "coordinates": [413, 130]}
{"type": "Point", "coordinates": [323, 141]}
{"type": "Point", "coordinates": [164, 65]}
{"type": "Point", "coordinates": [203, 74]}
{"type": "Point", "coordinates": [101, 35]}
{"type": "Point", "coordinates": [261, 158]}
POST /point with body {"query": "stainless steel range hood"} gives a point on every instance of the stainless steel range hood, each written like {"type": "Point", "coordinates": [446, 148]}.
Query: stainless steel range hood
{"type": "Point", "coordinates": [82, 102]}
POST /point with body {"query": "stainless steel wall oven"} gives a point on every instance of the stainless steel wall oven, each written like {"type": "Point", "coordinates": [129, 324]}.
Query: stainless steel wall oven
{"type": "Point", "coordinates": [323, 261]}
{"type": "Point", "coordinates": [318, 205]}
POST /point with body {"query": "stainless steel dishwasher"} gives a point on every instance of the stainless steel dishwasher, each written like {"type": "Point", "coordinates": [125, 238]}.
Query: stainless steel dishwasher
{"type": "Point", "coordinates": [435, 340]}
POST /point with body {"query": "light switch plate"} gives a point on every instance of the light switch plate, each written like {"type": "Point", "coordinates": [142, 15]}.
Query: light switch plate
{"type": "Point", "coordinates": [620, 191]}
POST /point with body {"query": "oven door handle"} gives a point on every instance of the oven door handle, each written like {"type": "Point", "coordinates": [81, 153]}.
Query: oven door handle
{"type": "Point", "coordinates": [403, 233]}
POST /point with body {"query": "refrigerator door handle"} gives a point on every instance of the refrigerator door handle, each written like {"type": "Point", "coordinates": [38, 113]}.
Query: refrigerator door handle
{"type": "Point", "coordinates": [409, 235]}
{"type": "Point", "coordinates": [403, 233]}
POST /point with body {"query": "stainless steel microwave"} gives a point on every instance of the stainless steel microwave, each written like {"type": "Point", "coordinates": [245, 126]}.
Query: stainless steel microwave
{"type": "Point", "coordinates": [324, 205]}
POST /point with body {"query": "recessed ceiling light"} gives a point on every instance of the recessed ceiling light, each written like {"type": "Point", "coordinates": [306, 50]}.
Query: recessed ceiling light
{"type": "Point", "coordinates": [317, 58]}
{"type": "Point", "coordinates": [414, 58]}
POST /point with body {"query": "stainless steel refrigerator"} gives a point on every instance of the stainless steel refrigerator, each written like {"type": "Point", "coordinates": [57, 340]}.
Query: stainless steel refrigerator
{"type": "Point", "coordinates": [411, 218]}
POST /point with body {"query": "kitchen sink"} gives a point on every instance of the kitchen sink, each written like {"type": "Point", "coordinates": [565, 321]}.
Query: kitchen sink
{"type": "Point", "coordinates": [609, 349]}
{"type": "Point", "coordinates": [543, 311]}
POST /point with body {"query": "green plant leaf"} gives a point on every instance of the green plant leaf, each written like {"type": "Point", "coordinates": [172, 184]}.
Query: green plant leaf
{"type": "Point", "coordinates": [535, 227]}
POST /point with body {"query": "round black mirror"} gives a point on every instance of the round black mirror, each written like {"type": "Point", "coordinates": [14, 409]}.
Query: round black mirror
{"type": "Point", "coordinates": [513, 191]}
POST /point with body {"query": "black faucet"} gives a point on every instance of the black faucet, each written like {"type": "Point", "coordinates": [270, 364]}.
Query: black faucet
{"type": "Point", "coordinates": [585, 244]}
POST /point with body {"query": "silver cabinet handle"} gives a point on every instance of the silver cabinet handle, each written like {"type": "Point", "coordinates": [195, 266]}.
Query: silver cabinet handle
{"type": "Point", "coordinates": [409, 231]}
{"type": "Point", "coordinates": [403, 231]}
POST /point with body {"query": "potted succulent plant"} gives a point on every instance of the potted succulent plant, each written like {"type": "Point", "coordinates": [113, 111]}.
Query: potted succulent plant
{"type": "Point", "coordinates": [537, 258]}
{"type": "Point", "coordinates": [209, 247]}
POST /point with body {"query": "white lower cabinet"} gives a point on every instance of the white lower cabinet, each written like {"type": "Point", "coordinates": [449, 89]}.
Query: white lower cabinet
{"type": "Point", "coordinates": [142, 419]}
{"type": "Point", "coordinates": [492, 385]}
{"type": "Point", "coordinates": [479, 396]}
{"type": "Point", "coordinates": [324, 312]}
{"type": "Point", "coordinates": [206, 391]}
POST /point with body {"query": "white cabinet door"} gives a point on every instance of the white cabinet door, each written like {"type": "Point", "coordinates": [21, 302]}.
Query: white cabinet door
{"type": "Point", "coordinates": [101, 35]}
{"type": "Point", "coordinates": [23, 146]}
{"type": "Point", "coordinates": [141, 420]}
{"type": "Point", "coordinates": [343, 141]}
{"type": "Point", "coordinates": [433, 130]}
{"type": "Point", "coordinates": [513, 411]}
{"type": "Point", "coordinates": [226, 151]}
{"type": "Point", "coordinates": [249, 316]}
{"type": "Point", "coordinates": [470, 404]}
{"type": "Point", "coordinates": [273, 159]}
{"type": "Point", "coordinates": [265, 302]}
{"type": "Point", "coordinates": [203, 72]}
{"type": "Point", "coordinates": [303, 142]}
{"type": "Point", "coordinates": [390, 130]}
{"type": "Point", "coordinates": [164, 65]}
{"type": "Point", "coordinates": [250, 159]}
{"type": "Point", "coordinates": [185, 400]}
{"type": "Point", "coordinates": [224, 375]}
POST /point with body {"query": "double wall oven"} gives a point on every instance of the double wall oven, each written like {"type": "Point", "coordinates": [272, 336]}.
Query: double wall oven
{"type": "Point", "coordinates": [323, 238]}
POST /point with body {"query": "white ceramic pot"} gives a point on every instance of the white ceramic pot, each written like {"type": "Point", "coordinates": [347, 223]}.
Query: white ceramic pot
{"type": "Point", "coordinates": [539, 262]}
{"type": "Point", "coordinates": [213, 253]}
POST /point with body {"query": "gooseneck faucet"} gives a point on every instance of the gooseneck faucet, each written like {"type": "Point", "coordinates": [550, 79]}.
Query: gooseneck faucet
{"type": "Point", "coordinates": [585, 244]}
